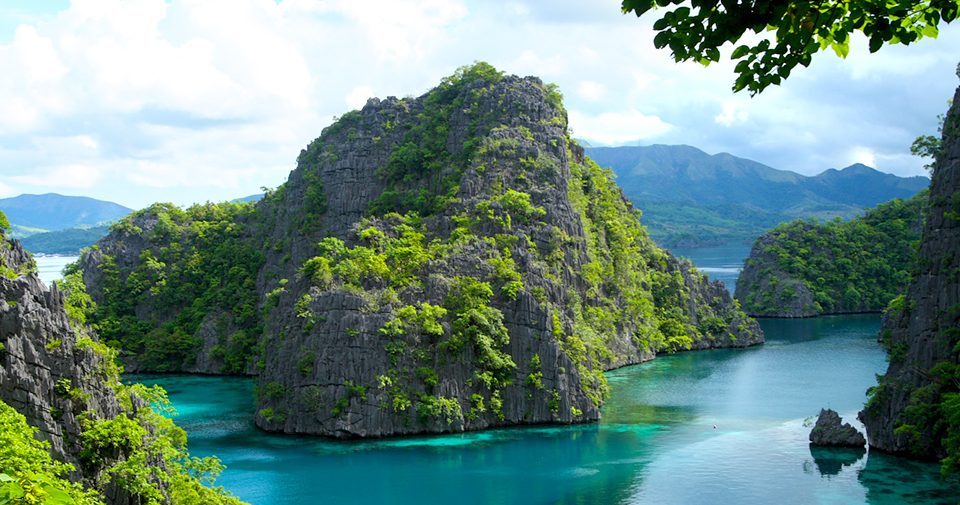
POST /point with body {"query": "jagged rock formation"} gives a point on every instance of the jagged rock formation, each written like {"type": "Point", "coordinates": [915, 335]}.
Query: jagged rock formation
{"type": "Point", "coordinates": [831, 431]}
{"type": "Point", "coordinates": [445, 263]}
{"type": "Point", "coordinates": [805, 268]}
{"type": "Point", "coordinates": [915, 409]}
{"type": "Point", "coordinates": [65, 383]}
{"type": "Point", "coordinates": [44, 371]}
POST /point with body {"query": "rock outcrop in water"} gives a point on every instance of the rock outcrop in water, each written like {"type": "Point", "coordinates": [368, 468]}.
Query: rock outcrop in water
{"type": "Point", "coordinates": [443, 263]}
{"type": "Point", "coordinates": [831, 431]}
{"type": "Point", "coordinates": [805, 268]}
{"type": "Point", "coordinates": [915, 409]}
{"type": "Point", "coordinates": [64, 382]}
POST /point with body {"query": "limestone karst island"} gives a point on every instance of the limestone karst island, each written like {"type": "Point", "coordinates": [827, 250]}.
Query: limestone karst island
{"type": "Point", "coordinates": [284, 252]}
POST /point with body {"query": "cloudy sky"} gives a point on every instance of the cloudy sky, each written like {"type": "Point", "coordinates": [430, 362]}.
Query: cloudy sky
{"type": "Point", "coordinates": [137, 101]}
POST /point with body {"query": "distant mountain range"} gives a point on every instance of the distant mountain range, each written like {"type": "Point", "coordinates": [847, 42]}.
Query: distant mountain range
{"type": "Point", "coordinates": [249, 198]}
{"type": "Point", "coordinates": [51, 211]}
{"type": "Point", "coordinates": [58, 224]}
{"type": "Point", "coordinates": [690, 198]}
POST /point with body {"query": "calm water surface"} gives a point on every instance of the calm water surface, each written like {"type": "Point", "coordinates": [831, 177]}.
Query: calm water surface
{"type": "Point", "coordinates": [720, 263]}
{"type": "Point", "coordinates": [49, 268]}
{"type": "Point", "coordinates": [712, 427]}
{"type": "Point", "coordinates": [656, 442]}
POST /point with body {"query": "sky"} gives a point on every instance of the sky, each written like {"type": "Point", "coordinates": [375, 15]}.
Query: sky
{"type": "Point", "coordinates": [138, 101]}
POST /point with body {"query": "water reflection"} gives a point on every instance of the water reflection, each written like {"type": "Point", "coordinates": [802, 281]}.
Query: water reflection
{"type": "Point", "coordinates": [656, 442]}
{"type": "Point", "coordinates": [830, 460]}
{"type": "Point", "coordinates": [891, 480]}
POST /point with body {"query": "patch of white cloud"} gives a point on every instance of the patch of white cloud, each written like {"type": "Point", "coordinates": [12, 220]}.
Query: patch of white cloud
{"type": "Point", "coordinates": [70, 176]}
{"type": "Point", "coordinates": [862, 155]}
{"type": "Point", "coordinates": [591, 91]}
{"type": "Point", "coordinates": [536, 63]}
{"type": "Point", "coordinates": [613, 128]}
{"type": "Point", "coordinates": [6, 190]}
{"type": "Point", "coordinates": [17, 115]}
{"type": "Point", "coordinates": [731, 113]}
{"type": "Point", "coordinates": [358, 97]}
{"type": "Point", "coordinates": [37, 56]}
{"type": "Point", "coordinates": [400, 29]}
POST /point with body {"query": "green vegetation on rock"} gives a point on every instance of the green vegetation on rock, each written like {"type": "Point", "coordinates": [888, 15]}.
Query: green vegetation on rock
{"type": "Point", "coordinates": [805, 268]}
{"type": "Point", "coordinates": [197, 267]}
{"type": "Point", "coordinates": [423, 251]}
{"type": "Point", "coordinates": [104, 441]}
{"type": "Point", "coordinates": [915, 408]}
{"type": "Point", "coordinates": [27, 472]}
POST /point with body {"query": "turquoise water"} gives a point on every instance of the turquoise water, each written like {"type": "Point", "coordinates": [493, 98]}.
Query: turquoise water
{"type": "Point", "coordinates": [656, 442]}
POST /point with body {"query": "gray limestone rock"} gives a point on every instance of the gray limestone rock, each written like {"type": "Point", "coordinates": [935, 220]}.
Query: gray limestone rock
{"type": "Point", "coordinates": [325, 366]}
{"type": "Point", "coordinates": [46, 375]}
{"type": "Point", "coordinates": [764, 289]}
{"type": "Point", "coordinates": [830, 432]}
{"type": "Point", "coordinates": [924, 330]}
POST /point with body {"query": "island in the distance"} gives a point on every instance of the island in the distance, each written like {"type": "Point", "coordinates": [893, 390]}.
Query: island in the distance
{"type": "Point", "coordinates": [808, 268]}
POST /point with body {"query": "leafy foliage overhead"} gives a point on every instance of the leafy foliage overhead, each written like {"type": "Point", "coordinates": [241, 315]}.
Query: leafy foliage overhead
{"type": "Point", "coordinates": [696, 30]}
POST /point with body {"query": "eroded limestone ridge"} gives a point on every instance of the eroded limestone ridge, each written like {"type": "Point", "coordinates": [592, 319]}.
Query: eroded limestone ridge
{"type": "Point", "coordinates": [915, 409]}
{"type": "Point", "coordinates": [97, 440]}
{"type": "Point", "coordinates": [442, 263]}
{"type": "Point", "coordinates": [46, 376]}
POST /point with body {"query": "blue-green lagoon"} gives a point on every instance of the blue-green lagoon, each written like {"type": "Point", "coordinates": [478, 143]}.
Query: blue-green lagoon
{"type": "Point", "coordinates": [706, 427]}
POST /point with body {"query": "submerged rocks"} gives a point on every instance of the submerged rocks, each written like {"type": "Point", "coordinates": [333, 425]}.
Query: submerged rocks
{"type": "Point", "coordinates": [830, 432]}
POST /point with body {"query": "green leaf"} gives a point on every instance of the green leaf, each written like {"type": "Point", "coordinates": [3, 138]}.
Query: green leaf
{"type": "Point", "coordinates": [842, 50]}
{"type": "Point", "coordinates": [661, 40]}
{"type": "Point", "coordinates": [930, 31]}
{"type": "Point", "coordinates": [740, 52]}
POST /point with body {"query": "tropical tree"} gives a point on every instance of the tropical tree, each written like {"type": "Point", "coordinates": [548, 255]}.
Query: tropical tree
{"type": "Point", "coordinates": [790, 32]}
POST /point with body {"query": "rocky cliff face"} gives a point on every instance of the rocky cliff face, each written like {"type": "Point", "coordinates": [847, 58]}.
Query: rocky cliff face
{"type": "Point", "coordinates": [915, 409]}
{"type": "Point", "coordinates": [805, 268]}
{"type": "Point", "coordinates": [46, 375]}
{"type": "Point", "coordinates": [765, 289]}
{"type": "Point", "coordinates": [453, 262]}
{"type": "Point", "coordinates": [65, 383]}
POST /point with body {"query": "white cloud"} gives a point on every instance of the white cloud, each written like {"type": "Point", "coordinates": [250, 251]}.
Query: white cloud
{"type": "Point", "coordinates": [401, 29]}
{"type": "Point", "coordinates": [74, 176]}
{"type": "Point", "coordinates": [17, 115]}
{"type": "Point", "coordinates": [730, 114]}
{"type": "Point", "coordinates": [189, 100]}
{"type": "Point", "coordinates": [37, 57]}
{"type": "Point", "coordinates": [358, 97]}
{"type": "Point", "coordinates": [534, 63]}
{"type": "Point", "coordinates": [864, 155]}
{"type": "Point", "coordinates": [6, 191]}
{"type": "Point", "coordinates": [617, 127]}
{"type": "Point", "coordinates": [591, 91]}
